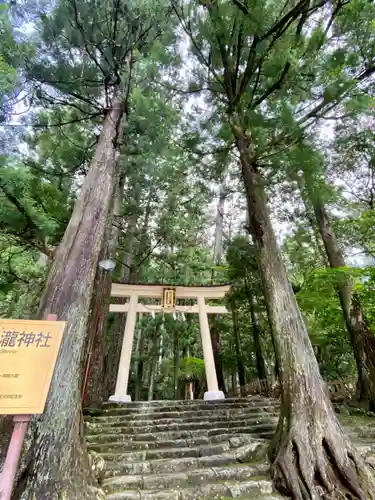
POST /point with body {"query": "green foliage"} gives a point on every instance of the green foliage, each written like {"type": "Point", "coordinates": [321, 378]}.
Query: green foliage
{"type": "Point", "coordinates": [316, 294]}
{"type": "Point", "coordinates": [271, 82]}
{"type": "Point", "coordinates": [8, 71]}
{"type": "Point", "coordinates": [192, 369]}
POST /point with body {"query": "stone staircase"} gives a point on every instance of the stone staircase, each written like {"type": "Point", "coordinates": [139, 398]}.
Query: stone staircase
{"type": "Point", "coordinates": [185, 450]}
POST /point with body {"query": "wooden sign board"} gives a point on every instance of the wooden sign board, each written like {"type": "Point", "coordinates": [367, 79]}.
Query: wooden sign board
{"type": "Point", "coordinates": [28, 353]}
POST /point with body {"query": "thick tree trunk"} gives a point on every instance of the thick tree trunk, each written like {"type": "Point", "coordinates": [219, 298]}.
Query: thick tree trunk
{"type": "Point", "coordinates": [154, 362]}
{"type": "Point", "coordinates": [255, 328]}
{"type": "Point", "coordinates": [139, 367]}
{"type": "Point", "coordinates": [361, 336]}
{"type": "Point", "coordinates": [59, 467]}
{"type": "Point", "coordinates": [176, 362]}
{"type": "Point", "coordinates": [151, 381]}
{"type": "Point", "coordinates": [237, 345]}
{"type": "Point", "coordinates": [311, 456]}
{"type": "Point", "coordinates": [6, 428]}
{"type": "Point", "coordinates": [215, 340]}
{"type": "Point", "coordinates": [94, 381]}
{"type": "Point", "coordinates": [219, 224]}
{"type": "Point", "coordinates": [137, 355]}
{"type": "Point", "coordinates": [160, 354]}
{"type": "Point", "coordinates": [233, 378]}
{"type": "Point", "coordinates": [311, 219]}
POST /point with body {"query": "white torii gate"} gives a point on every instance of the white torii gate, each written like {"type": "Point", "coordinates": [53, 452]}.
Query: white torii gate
{"type": "Point", "coordinates": [133, 306]}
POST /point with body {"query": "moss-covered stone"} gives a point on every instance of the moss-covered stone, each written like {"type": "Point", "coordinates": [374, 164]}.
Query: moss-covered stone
{"type": "Point", "coordinates": [194, 451]}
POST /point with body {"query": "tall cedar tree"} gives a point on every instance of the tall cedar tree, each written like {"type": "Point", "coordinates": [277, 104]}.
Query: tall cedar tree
{"type": "Point", "coordinates": [84, 63]}
{"type": "Point", "coordinates": [259, 57]}
{"type": "Point", "coordinates": [315, 192]}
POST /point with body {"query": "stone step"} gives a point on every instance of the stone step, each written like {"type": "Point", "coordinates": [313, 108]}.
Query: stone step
{"type": "Point", "coordinates": [253, 450]}
{"type": "Point", "coordinates": [162, 453]}
{"type": "Point", "coordinates": [364, 448]}
{"type": "Point", "coordinates": [188, 416]}
{"type": "Point", "coordinates": [367, 434]}
{"type": "Point", "coordinates": [226, 489]}
{"type": "Point", "coordinates": [177, 431]}
{"type": "Point", "coordinates": [186, 479]}
{"type": "Point", "coordinates": [190, 434]}
{"type": "Point", "coordinates": [203, 406]}
{"type": "Point", "coordinates": [238, 440]}
{"type": "Point", "coordinates": [120, 425]}
{"type": "Point", "coordinates": [183, 402]}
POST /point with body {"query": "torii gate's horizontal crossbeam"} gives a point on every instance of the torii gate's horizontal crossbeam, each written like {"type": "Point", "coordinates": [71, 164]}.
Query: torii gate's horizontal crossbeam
{"type": "Point", "coordinates": [182, 292]}
{"type": "Point", "coordinates": [141, 308]}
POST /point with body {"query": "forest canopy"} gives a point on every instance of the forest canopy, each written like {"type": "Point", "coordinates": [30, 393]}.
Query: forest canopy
{"type": "Point", "coordinates": [194, 143]}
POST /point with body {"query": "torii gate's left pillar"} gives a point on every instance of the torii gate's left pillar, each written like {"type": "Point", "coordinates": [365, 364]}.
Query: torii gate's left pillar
{"type": "Point", "coordinates": [120, 395]}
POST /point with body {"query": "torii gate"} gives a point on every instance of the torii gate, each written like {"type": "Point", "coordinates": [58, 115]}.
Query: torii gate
{"type": "Point", "coordinates": [168, 294]}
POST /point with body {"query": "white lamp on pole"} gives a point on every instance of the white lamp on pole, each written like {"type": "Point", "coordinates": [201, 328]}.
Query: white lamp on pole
{"type": "Point", "coordinates": [107, 265]}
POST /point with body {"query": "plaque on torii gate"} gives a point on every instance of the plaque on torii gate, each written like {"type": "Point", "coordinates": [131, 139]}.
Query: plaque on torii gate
{"type": "Point", "coordinates": [169, 299]}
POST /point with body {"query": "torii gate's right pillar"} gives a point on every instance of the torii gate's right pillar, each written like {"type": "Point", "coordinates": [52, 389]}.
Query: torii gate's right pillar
{"type": "Point", "coordinates": [213, 392]}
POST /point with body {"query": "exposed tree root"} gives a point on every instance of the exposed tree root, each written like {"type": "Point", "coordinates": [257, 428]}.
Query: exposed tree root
{"type": "Point", "coordinates": [313, 459]}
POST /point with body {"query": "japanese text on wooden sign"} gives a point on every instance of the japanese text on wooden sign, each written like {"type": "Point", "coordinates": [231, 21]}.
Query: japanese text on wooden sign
{"type": "Point", "coordinates": [28, 353]}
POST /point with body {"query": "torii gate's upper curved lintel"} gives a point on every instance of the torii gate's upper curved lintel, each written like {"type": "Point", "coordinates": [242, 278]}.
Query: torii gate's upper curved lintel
{"type": "Point", "coordinates": [152, 291]}
{"type": "Point", "coordinates": [163, 292]}
{"type": "Point", "coordinates": [182, 292]}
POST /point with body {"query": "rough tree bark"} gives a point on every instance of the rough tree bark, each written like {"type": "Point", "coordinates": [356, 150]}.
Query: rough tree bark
{"type": "Point", "coordinates": [6, 428]}
{"type": "Point", "coordinates": [154, 362]}
{"type": "Point", "coordinates": [176, 361]}
{"type": "Point", "coordinates": [309, 212]}
{"type": "Point", "coordinates": [215, 340]}
{"type": "Point", "coordinates": [255, 329]}
{"type": "Point", "coordinates": [361, 336]}
{"type": "Point", "coordinates": [311, 456]}
{"type": "Point", "coordinates": [138, 370]}
{"type": "Point", "coordinates": [58, 469]}
{"type": "Point", "coordinates": [92, 387]}
{"type": "Point", "coordinates": [219, 224]}
{"type": "Point", "coordinates": [237, 345]}
{"type": "Point", "coordinates": [97, 324]}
